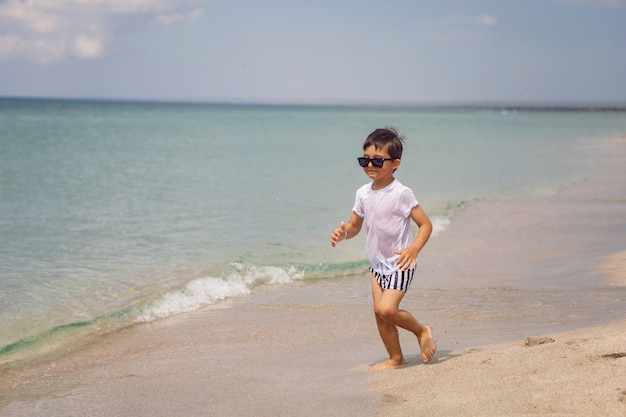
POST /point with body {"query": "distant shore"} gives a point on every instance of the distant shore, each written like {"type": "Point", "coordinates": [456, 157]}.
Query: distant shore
{"type": "Point", "coordinates": [503, 106]}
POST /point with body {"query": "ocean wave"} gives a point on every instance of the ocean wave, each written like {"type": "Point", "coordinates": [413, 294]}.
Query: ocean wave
{"type": "Point", "coordinates": [237, 280]}
{"type": "Point", "coordinates": [440, 224]}
{"type": "Point", "coordinates": [201, 292]}
{"type": "Point", "coordinates": [240, 279]}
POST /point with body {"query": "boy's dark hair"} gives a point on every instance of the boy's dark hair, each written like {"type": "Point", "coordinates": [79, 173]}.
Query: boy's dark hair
{"type": "Point", "coordinates": [387, 138]}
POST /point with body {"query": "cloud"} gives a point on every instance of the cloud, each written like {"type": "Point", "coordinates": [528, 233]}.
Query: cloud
{"type": "Point", "coordinates": [40, 50]}
{"type": "Point", "coordinates": [169, 19]}
{"type": "Point", "coordinates": [483, 19]}
{"type": "Point", "coordinates": [86, 46]}
{"type": "Point", "coordinates": [20, 13]}
{"type": "Point", "coordinates": [488, 20]}
{"type": "Point", "coordinates": [456, 28]}
{"type": "Point", "coordinates": [9, 44]}
{"type": "Point", "coordinates": [50, 30]}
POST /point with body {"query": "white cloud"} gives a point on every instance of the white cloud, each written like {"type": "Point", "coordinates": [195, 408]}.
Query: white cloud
{"type": "Point", "coordinates": [87, 46]}
{"type": "Point", "coordinates": [10, 44]}
{"type": "Point", "coordinates": [169, 19]}
{"type": "Point", "coordinates": [22, 14]}
{"type": "Point", "coordinates": [40, 50]}
{"type": "Point", "coordinates": [483, 19]}
{"type": "Point", "coordinates": [109, 6]}
{"type": "Point", "coordinates": [49, 30]}
{"type": "Point", "coordinates": [488, 20]}
{"type": "Point", "coordinates": [455, 28]}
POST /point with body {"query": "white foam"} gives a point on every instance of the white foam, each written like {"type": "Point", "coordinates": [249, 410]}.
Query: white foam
{"type": "Point", "coordinates": [209, 290]}
{"type": "Point", "coordinates": [267, 274]}
{"type": "Point", "coordinates": [440, 225]}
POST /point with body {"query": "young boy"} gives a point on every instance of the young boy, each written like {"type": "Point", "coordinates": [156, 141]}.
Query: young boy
{"type": "Point", "coordinates": [386, 207]}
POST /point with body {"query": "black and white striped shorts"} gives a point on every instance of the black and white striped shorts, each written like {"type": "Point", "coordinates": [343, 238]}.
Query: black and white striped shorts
{"type": "Point", "coordinates": [399, 280]}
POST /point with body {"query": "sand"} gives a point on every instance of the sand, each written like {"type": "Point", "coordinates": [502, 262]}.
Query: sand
{"type": "Point", "coordinates": [615, 266]}
{"type": "Point", "coordinates": [526, 300]}
{"type": "Point", "coordinates": [285, 357]}
{"type": "Point", "coordinates": [285, 351]}
{"type": "Point", "coordinates": [576, 373]}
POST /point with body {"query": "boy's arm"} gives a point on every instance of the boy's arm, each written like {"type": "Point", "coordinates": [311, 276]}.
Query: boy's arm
{"type": "Point", "coordinates": [408, 255]}
{"type": "Point", "coordinates": [347, 231]}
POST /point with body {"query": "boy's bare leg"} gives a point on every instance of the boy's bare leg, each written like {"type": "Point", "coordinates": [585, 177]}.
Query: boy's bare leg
{"type": "Point", "coordinates": [387, 308]}
{"type": "Point", "coordinates": [388, 333]}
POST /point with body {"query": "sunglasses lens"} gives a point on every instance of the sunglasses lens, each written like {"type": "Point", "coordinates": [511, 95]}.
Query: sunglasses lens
{"type": "Point", "coordinates": [376, 162]}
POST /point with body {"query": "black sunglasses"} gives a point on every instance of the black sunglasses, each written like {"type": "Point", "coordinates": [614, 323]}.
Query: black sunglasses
{"type": "Point", "coordinates": [376, 162]}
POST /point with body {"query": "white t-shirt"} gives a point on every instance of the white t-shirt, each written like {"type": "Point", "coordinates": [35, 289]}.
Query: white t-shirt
{"type": "Point", "coordinates": [386, 214]}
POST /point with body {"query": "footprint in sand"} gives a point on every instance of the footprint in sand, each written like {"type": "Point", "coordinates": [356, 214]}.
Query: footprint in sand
{"type": "Point", "coordinates": [534, 341]}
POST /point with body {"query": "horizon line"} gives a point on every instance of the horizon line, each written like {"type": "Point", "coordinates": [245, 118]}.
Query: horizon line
{"type": "Point", "coordinates": [387, 104]}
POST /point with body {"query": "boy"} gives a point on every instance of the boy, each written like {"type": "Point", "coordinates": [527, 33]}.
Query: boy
{"type": "Point", "coordinates": [386, 207]}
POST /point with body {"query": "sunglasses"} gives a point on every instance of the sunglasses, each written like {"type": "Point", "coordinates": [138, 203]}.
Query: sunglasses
{"type": "Point", "coordinates": [376, 162]}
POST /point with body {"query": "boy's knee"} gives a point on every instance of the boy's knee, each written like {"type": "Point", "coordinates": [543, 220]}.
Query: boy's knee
{"type": "Point", "coordinates": [386, 313]}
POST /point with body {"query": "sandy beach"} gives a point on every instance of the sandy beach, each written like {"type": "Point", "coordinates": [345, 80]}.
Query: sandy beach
{"type": "Point", "coordinates": [576, 373]}
{"type": "Point", "coordinates": [512, 339]}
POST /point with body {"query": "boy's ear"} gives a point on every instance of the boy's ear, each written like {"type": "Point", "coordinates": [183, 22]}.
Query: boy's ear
{"type": "Point", "coordinates": [395, 164]}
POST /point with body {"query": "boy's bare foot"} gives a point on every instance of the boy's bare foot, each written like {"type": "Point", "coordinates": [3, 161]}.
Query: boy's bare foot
{"type": "Point", "coordinates": [389, 363]}
{"type": "Point", "coordinates": [427, 344]}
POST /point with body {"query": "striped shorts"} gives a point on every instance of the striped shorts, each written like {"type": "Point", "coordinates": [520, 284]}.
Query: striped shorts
{"type": "Point", "coordinates": [399, 280]}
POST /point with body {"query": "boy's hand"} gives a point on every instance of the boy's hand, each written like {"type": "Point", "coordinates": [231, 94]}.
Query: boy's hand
{"type": "Point", "coordinates": [339, 234]}
{"type": "Point", "coordinates": [407, 258]}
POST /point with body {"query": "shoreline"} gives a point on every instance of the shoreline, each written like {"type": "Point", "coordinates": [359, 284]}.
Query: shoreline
{"type": "Point", "coordinates": [615, 267]}
{"type": "Point", "coordinates": [257, 355]}
{"type": "Point", "coordinates": [493, 280]}
{"type": "Point", "coordinates": [183, 366]}
{"type": "Point", "coordinates": [306, 350]}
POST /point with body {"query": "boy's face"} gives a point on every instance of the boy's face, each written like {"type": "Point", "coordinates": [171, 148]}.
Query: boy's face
{"type": "Point", "coordinates": [380, 174]}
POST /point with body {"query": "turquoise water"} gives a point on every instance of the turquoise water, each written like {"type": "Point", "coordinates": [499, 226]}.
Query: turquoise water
{"type": "Point", "coordinates": [113, 212]}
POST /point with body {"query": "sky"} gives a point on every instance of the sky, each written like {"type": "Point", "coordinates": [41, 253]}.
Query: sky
{"type": "Point", "coordinates": [324, 51]}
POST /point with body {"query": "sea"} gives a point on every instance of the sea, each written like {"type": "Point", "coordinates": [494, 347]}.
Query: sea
{"type": "Point", "coordinates": [115, 213]}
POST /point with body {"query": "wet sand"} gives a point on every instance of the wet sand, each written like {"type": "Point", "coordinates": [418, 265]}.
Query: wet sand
{"type": "Point", "coordinates": [264, 355]}
{"type": "Point", "coordinates": [526, 300]}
